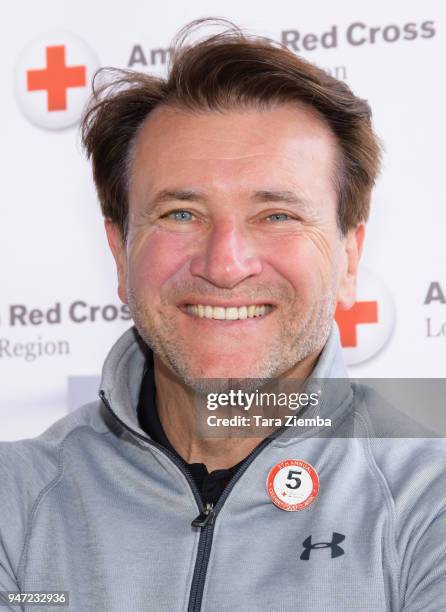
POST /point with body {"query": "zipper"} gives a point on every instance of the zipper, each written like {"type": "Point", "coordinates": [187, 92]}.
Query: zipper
{"type": "Point", "coordinates": [207, 529]}
{"type": "Point", "coordinates": [205, 521]}
{"type": "Point", "coordinates": [206, 517]}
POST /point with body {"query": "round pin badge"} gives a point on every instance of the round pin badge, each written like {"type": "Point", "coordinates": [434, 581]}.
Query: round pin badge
{"type": "Point", "coordinates": [292, 484]}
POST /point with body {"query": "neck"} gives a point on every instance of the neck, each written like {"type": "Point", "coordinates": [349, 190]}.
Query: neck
{"type": "Point", "coordinates": [181, 416]}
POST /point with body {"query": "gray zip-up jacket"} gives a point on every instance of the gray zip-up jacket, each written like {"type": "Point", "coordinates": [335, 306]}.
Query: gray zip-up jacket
{"type": "Point", "coordinates": [93, 507]}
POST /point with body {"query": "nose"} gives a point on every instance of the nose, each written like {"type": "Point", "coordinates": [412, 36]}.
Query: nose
{"type": "Point", "coordinates": [229, 256]}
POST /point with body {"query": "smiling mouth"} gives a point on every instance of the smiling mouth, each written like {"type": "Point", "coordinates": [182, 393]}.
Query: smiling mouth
{"type": "Point", "coordinates": [231, 313]}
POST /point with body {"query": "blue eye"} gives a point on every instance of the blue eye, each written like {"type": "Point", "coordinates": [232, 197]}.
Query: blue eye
{"type": "Point", "coordinates": [278, 217]}
{"type": "Point", "coordinates": [180, 215]}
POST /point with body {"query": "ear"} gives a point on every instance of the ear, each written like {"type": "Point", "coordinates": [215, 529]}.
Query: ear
{"type": "Point", "coordinates": [117, 247]}
{"type": "Point", "coordinates": [352, 242]}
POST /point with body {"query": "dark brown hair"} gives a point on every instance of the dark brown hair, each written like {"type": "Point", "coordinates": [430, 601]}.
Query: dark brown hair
{"type": "Point", "coordinates": [226, 71]}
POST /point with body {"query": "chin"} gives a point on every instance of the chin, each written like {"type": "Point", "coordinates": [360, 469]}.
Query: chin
{"type": "Point", "coordinates": [220, 374]}
{"type": "Point", "coordinates": [221, 384]}
{"type": "Point", "coordinates": [232, 366]}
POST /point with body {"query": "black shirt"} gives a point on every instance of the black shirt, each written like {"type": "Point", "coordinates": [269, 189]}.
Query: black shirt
{"type": "Point", "coordinates": [210, 485]}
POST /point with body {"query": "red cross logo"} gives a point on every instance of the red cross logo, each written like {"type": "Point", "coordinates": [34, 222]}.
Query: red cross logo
{"type": "Point", "coordinates": [56, 78]}
{"type": "Point", "coordinates": [347, 320]}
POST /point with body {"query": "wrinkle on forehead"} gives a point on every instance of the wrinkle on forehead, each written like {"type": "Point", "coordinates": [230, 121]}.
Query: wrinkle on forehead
{"type": "Point", "coordinates": [215, 127]}
{"type": "Point", "coordinates": [230, 147]}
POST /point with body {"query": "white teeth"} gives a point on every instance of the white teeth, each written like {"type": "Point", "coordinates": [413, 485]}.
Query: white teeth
{"type": "Point", "coordinates": [219, 313]}
{"type": "Point", "coordinates": [260, 310]}
{"type": "Point", "coordinates": [232, 313]}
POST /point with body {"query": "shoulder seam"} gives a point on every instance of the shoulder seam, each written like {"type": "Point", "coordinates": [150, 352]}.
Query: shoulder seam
{"type": "Point", "coordinates": [42, 493]}
{"type": "Point", "coordinates": [387, 493]}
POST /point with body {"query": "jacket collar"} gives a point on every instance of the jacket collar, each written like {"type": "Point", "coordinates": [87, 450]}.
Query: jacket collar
{"type": "Point", "coordinates": [124, 368]}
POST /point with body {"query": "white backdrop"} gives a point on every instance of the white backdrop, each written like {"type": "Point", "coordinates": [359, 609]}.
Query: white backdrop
{"type": "Point", "coordinates": [55, 267]}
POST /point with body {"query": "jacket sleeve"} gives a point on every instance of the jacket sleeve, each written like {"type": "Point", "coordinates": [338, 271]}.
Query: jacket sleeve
{"type": "Point", "coordinates": [15, 496]}
{"type": "Point", "coordinates": [426, 588]}
{"type": "Point", "coordinates": [414, 473]}
{"type": "Point", "coordinates": [8, 581]}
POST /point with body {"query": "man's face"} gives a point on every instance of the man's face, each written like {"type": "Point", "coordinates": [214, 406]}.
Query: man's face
{"type": "Point", "coordinates": [233, 261]}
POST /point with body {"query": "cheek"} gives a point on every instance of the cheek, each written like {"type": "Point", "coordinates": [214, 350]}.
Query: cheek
{"type": "Point", "coordinates": [304, 262]}
{"type": "Point", "coordinates": [157, 259]}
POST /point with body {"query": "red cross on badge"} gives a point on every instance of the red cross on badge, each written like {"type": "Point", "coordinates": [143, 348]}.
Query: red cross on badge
{"type": "Point", "coordinates": [56, 78]}
{"type": "Point", "coordinates": [347, 320]}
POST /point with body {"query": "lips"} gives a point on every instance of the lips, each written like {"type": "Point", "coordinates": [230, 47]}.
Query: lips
{"type": "Point", "coordinates": [228, 313]}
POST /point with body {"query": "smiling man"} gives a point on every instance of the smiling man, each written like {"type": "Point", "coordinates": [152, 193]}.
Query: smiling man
{"type": "Point", "coordinates": [235, 195]}
{"type": "Point", "coordinates": [253, 260]}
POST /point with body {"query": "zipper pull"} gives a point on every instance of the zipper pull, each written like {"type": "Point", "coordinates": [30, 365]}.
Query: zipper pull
{"type": "Point", "coordinates": [206, 517]}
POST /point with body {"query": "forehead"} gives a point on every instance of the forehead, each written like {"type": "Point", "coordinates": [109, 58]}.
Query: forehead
{"type": "Point", "coordinates": [285, 143]}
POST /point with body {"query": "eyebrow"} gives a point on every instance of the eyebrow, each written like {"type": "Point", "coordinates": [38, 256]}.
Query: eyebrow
{"type": "Point", "coordinates": [263, 195]}
{"type": "Point", "coordinates": [270, 195]}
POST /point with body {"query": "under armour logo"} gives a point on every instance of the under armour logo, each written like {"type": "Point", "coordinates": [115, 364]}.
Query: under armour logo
{"type": "Point", "coordinates": [336, 550]}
